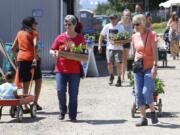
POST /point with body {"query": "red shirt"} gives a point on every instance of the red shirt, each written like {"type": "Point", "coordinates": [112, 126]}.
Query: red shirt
{"type": "Point", "coordinates": [64, 65]}
{"type": "Point", "coordinates": [25, 44]}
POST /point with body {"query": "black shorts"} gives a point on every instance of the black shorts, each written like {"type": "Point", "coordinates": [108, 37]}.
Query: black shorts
{"type": "Point", "coordinates": [24, 68]}
{"type": "Point", "coordinates": [127, 46]}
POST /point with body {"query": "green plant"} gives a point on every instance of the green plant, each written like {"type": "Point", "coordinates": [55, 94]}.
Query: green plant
{"type": "Point", "coordinates": [89, 37]}
{"type": "Point", "coordinates": [1, 80]}
{"type": "Point", "coordinates": [159, 87]}
{"type": "Point", "coordinates": [78, 49]}
{"type": "Point", "coordinates": [159, 27]}
{"type": "Point", "coordinates": [120, 36]}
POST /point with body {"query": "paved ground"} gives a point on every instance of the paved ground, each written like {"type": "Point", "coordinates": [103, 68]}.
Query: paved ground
{"type": "Point", "coordinates": [103, 109]}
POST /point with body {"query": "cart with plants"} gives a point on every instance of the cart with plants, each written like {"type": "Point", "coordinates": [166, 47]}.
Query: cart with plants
{"type": "Point", "coordinates": [159, 89]}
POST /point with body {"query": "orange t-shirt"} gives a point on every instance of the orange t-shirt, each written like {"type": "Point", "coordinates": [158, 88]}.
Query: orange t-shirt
{"type": "Point", "coordinates": [25, 45]}
{"type": "Point", "coordinates": [138, 41]}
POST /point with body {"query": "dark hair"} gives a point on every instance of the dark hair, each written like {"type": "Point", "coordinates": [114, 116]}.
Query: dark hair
{"type": "Point", "coordinates": [28, 22]}
{"type": "Point", "coordinates": [70, 18]}
{"type": "Point", "coordinates": [174, 16]}
{"type": "Point", "coordinates": [10, 75]}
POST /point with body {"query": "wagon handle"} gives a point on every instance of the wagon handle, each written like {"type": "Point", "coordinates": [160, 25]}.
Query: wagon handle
{"type": "Point", "coordinates": [31, 82]}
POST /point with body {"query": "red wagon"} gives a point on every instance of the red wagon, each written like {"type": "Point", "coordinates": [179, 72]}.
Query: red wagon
{"type": "Point", "coordinates": [16, 106]}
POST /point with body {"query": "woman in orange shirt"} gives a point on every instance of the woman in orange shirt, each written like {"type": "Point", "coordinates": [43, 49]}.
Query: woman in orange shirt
{"type": "Point", "coordinates": [145, 48]}
{"type": "Point", "coordinates": [26, 42]}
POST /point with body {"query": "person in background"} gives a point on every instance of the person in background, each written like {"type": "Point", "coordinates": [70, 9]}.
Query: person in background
{"type": "Point", "coordinates": [138, 10]}
{"type": "Point", "coordinates": [8, 90]}
{"type": "Point", "coordinates": [145, 48]}
{"type": "Point", "coordinates": [26, 42]}
{"type": "Point", "coordinates": [127, 24]}
{"type": "Point", "coordinates": [67, 71]}
{"type": "Point", "coordinates": [113, 51]}
{"type": "Point", "coordinates": [174, 32]}
{"type": "Point", "coordinates": [148, 21]}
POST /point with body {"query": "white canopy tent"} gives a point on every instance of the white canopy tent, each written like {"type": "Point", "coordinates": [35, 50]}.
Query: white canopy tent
{"type": "Point", "coordinates": [165, 4]}
{"type": "Point", "coordinates": [170, 4]}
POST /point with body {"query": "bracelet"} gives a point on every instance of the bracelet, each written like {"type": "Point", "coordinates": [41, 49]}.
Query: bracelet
{"type": "Point", "coordinates": [155, 65]}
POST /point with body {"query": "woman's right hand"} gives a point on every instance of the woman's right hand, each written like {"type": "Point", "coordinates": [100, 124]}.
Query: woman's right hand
{"type": "Point", "coordinates": [54, 53]}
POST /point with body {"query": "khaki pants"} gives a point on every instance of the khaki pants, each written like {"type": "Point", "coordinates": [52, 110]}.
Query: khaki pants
{"type": "Point", "coordinates": [174, 48]}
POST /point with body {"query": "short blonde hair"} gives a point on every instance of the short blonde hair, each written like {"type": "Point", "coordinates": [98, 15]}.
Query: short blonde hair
{"type": "Point", "coordinates": [140, 18]}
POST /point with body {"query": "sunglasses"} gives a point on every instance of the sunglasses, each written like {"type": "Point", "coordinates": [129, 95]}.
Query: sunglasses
{"type": "Point", "coordinates": [67, 24]}
{"type": "Point", "coordinates": [136, 24]}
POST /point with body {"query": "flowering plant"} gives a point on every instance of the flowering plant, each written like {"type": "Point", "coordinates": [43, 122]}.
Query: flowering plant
{"type": "Point", "coordinates": [120, 36]}
{"type": "Point", "coordinates": [78, 49]}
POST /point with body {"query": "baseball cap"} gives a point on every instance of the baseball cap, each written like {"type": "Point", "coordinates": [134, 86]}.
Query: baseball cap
{"type": "Point", "coordinates": [113, 16]}
{"type": "Point", "coordinates": [147, 14]}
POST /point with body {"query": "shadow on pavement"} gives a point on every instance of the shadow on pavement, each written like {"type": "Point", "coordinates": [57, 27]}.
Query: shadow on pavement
{"type": "Point", "coordinates": [167, 125]}
{"type": "Point", "coordinates": [48, 113]}
{"type": "Point", "coordinates": [166, 68]}
{"type": "Point", "coordinates": [102, 122]}
{"type": "Point", "coordinates": [26, 120]}
{"type": "Point", "coordinates": [52, 113]}
{"type": "Point", "coordinates": [170, 114]}
{"type": "Point", "coordinates": [165, 115]}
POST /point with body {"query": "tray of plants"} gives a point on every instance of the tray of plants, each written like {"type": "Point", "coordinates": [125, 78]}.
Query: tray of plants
{"type": "Point", "coordinates": [78, 53]}
{"type": "Point", "coordinates": [120, 37]}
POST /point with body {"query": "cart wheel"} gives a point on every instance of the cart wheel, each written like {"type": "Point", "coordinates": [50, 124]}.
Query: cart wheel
{"type": "Point", "coordinates": [133, 110]}
{"type": "Point", "coordinates": [33, 110]}
{"type": "Point", "coordinates": [13, 111]}
{"type": "Point", "coordinates": [160, 108]}
{"type": "Point", "coordinates": [19, 113]}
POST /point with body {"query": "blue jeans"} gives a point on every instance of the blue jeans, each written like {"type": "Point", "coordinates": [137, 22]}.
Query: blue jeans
{"type": "Point", "coordinates": [144, 87]}
{"type": "Point", "coordinates": [72, 80]}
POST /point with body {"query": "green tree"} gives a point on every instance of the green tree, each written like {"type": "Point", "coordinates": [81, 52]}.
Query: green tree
{"type": "Point", "coordinates": [154, 4]}
{"type": "Point", "coordinates": [117, 6]}
{"type": "Point", "coordinates": [113, 6]}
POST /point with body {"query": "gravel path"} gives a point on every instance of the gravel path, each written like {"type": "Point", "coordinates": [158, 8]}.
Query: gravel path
{"type": "Point", "coordinates": [103, 110]}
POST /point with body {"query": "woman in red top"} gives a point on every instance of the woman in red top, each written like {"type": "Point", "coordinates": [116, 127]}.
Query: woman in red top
{"type": "Point", "coordinates": [67, 71]}
{"type": "Point", "coordinates": [26, 42]}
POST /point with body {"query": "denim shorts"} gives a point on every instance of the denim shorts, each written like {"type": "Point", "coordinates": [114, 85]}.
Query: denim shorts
{"type": "Point", "coordinates": [114, 56]}
{"type": "Point", "coordinates": [144, 87]}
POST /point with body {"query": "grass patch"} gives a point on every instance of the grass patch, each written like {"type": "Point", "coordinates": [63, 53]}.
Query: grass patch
{"type": "Point", "coordinates": [159, 27]}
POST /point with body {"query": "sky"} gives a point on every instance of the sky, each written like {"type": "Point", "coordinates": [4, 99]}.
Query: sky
{"type": "Point", "coordinates": [90, 4]}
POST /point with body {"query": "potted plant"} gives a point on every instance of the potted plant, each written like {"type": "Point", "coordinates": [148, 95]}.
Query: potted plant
{"type": "Point", "coordinates": [159, 88]}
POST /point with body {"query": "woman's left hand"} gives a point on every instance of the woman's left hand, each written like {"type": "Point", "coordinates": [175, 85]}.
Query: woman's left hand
{"type": "Point", "coordinates": [34, 63]}
{"type": "Point", "coordinates": [154, 72]}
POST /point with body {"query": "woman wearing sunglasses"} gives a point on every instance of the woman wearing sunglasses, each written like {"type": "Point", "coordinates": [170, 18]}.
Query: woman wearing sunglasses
{"type": "Point", "coordinates": [67, 71]}
{"type": "Point", "coordinates": [145, 48]}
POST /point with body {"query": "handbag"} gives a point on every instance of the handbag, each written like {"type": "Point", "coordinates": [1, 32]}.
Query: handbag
{"type": "Point", "coordinates": [138, 65]}
{"type": "Point", "coordinates": [81, 71]}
